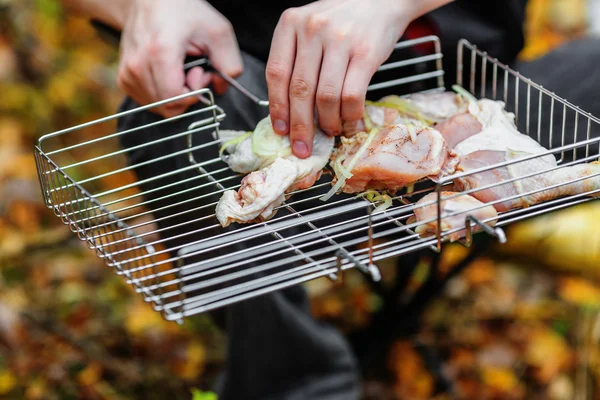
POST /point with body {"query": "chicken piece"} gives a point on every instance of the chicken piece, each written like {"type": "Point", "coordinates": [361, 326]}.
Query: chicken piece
{"type": "Point", "coordinates": [419, 109]}
{"type": "Point", "coordinates": [454, 212]}
{"type": "Point", "coordinates": [545, 176]}
{"type": "Point", "coordinates": [259, 194]}
{"type": "Point", "coordinates": [263, 190]}
{"type": "Point", "coordinates": [486, 127]}
{"type": "Point", "coordinates": [458, 128]}
{"type": "Point", "coordinates": [388, 159]}
{"type": "Point", "coordinates": [438, 106]}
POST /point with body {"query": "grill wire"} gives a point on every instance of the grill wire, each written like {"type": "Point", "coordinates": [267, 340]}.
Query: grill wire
{"type": "Point", "coordinates": [161, 235]}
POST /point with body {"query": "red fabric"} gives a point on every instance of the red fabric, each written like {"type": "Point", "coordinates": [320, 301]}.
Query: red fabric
{"type": "Point", "coordinates": [418, 28]}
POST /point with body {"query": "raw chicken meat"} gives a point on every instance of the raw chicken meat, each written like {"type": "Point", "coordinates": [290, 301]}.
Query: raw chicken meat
{"type": "Point", "coordinates": [418, 109]}
{"type": "Point", "coordinates": [387, 159]}
{"type": "Point", "coordinates": [458, 128]}
{"type": "Point", "coordinates": [260, 192]}
{"type": "Point", "coordinates": [485, 136]}
{"type": "Point", "coordinates": [546, 176]}
{"type": "Point", "coordinates": [274, 172]}
{"type": "Point", "coordinates": [454, 212]}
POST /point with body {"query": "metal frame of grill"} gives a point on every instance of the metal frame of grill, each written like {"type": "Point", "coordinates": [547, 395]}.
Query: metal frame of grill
{"type": "Point", "coordinates": [184, 263]}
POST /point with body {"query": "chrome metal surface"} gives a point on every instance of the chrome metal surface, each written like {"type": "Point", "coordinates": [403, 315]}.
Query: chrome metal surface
{"type": "Point", "coordinates": [161, 235]}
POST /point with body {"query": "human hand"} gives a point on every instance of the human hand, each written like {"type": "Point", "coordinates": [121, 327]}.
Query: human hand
{"type": "Point", "coordinates": [156, 38]}
{"type": "Point", "coordinates": [323, 56]}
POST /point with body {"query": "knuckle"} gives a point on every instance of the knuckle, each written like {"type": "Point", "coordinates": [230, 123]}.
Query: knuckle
{"type": "Point", "coordinates": [156, 48]}
{"type": "Point", "coordinates": [332, 128]}
{"type": "Point", "coordinates": [290, 16]}
{"type": "Point", "coordinates": [316, 23]}
{"type": "Point", "coordinates": [340, 33]}
{"type": "Point", "coordinates": [327, 96]}
{"type": "Point", "coordinates": [300, 130]}
{"type": "Point", "coordinates": [362, 50]}
{"type": "Point", "coordinates": [219, 32]}
{"type": "Point", "coordinates": [300, 89]}
{"type": "Point", "coordinates": [275, 72]}
{"type": "Point", "coordinates": [122, 82]}
{"type": "Point", "coordinates": [277, 109]}
{"type": "Point", "coordinates": [132, 69]}
{"type": "Point", "coordinates": [351, 98]}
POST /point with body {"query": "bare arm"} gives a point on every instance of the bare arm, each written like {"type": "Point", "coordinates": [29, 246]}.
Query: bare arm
{"type": "Point", "coordinates": [111, 12]}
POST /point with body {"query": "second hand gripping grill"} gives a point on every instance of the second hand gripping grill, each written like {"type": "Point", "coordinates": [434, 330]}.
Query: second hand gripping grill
{"type": "Point", "coordinates": [160, 233]}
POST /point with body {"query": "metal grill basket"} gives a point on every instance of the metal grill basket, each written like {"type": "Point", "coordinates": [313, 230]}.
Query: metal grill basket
{"type": "Point", "coordinates": [160, 233]}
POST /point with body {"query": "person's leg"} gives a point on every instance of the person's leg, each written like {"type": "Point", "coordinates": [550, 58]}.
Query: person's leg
{"type": "Point", "coordinates": [276, 349]}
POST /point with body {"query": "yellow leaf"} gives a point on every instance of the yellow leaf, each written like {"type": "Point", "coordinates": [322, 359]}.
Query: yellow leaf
{"type": "Point", "coordinates": [481, 271]}
{"type": "Point", "coordinates": [37, 390]}
{"type": "Point", "coordinates": [548, 353]}
{"type": "Point", "coordinates": [500, 379]}
{"type": "Point", "coordinates": [193, 365]}
{"type": "Point", "coordinates": [451, 255]}
{"type": "Point", "coordinates": [7, 381]}
{"type": "Point", "coordinates": [90, 374]}
{"type": "Point", "coordinates": [579, 291]}
{"type": "Point", "coordinates": [142, 317]}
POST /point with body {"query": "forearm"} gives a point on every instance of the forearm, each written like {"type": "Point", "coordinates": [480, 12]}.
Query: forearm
{"type": "Point", "coordinates": [110, 12]}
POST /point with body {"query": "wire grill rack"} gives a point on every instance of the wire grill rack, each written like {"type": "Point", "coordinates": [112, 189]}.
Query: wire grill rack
{"type": "Point", "coordinates": [152, 217]}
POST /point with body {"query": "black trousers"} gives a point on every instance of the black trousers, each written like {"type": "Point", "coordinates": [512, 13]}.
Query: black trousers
{"type": "Point", "coordinates": [276, 350]}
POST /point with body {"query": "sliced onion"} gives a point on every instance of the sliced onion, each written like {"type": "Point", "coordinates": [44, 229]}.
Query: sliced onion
{"type": "Point", "coordinates": [464, 93]}
{"type": "Point", "coordinates": [342, 179]}
{"type": "Point", "coordinates": [387, 203]}
{"type": "Point", "coordinates": [339, 168]}
{"type": "Point", "coordinates": [403, 106]}
{"type": "Point", "coordinates": [265, 142]}
{"type": "Point", "coordinates": [236, 140]}
{"type": "Point", "coordinates": [367, 121]}
{"type": "Point", "coordinates": [369, 194]}
{"type": "Point", "coordinates": [374, 196]}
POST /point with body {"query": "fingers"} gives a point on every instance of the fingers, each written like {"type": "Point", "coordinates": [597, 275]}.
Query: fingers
{"type": "Point", "coordinates": [279, 71]}
{"type": "Point", "coordinates": [329, 90]}
{"type": "Point", "coordinates": [197, 78]}
{"type": "Point", "coordinates": [359, 74]}
{"type": "Point", "coordinates": [168, 79]}
{"type": "Point", "coordinates": [302, 91]}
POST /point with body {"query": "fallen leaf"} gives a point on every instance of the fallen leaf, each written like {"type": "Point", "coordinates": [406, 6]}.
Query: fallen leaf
{"type": "Point", "coordinates": [481, 271]}
{"type": "Point", "coordinates": [202, 395]}
{"type": "Point", "coordinates": [7, 381]}
{"type": "Point", "coordinates": [502, 380]}
{"type": "Point", "coordinates": [24, 216]}
{"type": "Point", "coordinates": [547, 353]}
{"type": "Point", "coordinates": [36, 390]}
{"type": "Point", "coordinates": [193, 363]}
{"type": "Point", "coordinates": [90, 375]}
{"type": "Point", "coordinates": [579, 291]}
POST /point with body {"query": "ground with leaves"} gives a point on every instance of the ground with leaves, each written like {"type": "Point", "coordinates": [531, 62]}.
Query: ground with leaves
{"type": "Point", "coordinates": [71, 329]}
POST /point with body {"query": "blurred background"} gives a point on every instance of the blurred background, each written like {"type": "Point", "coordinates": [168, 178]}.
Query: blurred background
{"type": "Point", "coordinates": [520, 322]}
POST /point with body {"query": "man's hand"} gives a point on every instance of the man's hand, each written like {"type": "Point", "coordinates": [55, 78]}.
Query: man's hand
{"type": "Point", "coordinates": [323, 55]}
{"type": "Point", "coordinates": [157, 36]}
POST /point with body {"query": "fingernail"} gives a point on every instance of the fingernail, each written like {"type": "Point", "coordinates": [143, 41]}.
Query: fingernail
{"type": "Point", "coordinates": [300, 148]}
{"type": "Point", "coordinates": [280, 126]}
